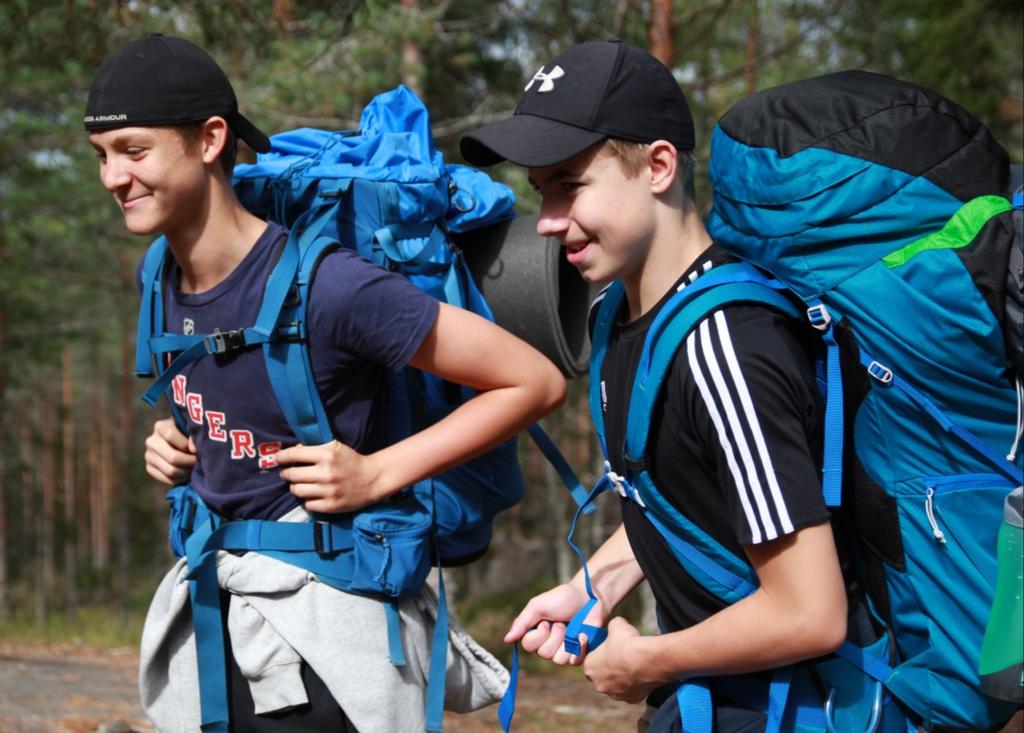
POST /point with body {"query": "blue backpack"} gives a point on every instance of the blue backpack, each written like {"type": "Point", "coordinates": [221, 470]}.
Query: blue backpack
{"type": "Point", "coordinates": [882, 205]}
{"type": "Point", "coordinates": [879, 205]}
{"type": "Point", "coordinates": [385, 191]}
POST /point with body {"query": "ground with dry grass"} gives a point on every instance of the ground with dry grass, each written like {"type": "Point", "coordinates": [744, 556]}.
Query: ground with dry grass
{"type": "Point", "coordinates": [72, 688]}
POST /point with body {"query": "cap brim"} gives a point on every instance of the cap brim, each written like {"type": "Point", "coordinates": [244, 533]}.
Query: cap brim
{"type": "Point", "coordinates": [249, 133]}
{"type": "Point", "coordinates": [526, 140]}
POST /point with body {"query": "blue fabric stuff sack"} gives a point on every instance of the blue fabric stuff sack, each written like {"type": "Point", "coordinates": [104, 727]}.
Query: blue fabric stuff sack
{"type": "Point", "coordinates": [883, 206]}
{"type": "Point", "coordinates": [385, 191]}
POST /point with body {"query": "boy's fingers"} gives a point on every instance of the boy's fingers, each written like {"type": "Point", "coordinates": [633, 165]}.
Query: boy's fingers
{"type": "Point", "coordinates": [307, 491]}
{"type": "Point", "coordinates": [522, 624]}
{"type": "Point", "coordinates": [167, 430]}
{"type": "Point", "coordinates": [549, 649]}
{"type": "Point", "coordinates": [156, 475]}
{"type": "Point", "coordinates": [302, 474]}
{"type": "Point", "coordinates": [301, 454]}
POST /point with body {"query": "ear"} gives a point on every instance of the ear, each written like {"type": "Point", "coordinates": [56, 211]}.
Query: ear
{"type": "Point", "coordinates": [214, 138]}
{"type": "Point", "coordinates": [662, 161]}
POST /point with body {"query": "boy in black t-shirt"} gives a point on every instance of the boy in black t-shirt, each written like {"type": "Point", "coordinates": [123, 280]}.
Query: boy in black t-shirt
{"type": "Point", "coordinates": [607, 136]}
{"type": "Point", "coordinates": [163, 118]}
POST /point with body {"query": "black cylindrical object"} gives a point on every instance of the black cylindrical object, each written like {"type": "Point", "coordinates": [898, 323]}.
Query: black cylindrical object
{"type": "Point", "coordinates": [532, 290]}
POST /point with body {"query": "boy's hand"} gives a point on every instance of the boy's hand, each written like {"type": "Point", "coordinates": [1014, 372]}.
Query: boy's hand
{"type": "Point", "coordinates": [541, 624]}
{"type": "Point", "coordinates": [613, 668]}
{"type": "Point", "coordinates": [331, 477]}
{"type": "Point", "coordinates": [170, 455]}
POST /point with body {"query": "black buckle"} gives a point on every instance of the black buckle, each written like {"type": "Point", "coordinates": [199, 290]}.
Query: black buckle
{"type": "Point", "coordinates": [292, 331]}
{"type": "Point", "coordinates": [188, 515]}
{"type": "Point", "coordinates": [224, 342]}
{"type": "Point", "coordinates": [322, 539]}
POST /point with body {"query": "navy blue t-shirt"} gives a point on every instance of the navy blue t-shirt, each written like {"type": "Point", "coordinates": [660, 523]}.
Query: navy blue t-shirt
{"type": "Point", "coordinates": [362, 321]}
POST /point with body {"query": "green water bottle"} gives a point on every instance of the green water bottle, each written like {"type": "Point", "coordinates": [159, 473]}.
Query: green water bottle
{"type": "Point", "coordinates": [1002, 650]}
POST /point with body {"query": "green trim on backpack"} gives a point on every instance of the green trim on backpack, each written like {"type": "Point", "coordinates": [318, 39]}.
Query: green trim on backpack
{"type": "Point", "coordinates": [958, 232]}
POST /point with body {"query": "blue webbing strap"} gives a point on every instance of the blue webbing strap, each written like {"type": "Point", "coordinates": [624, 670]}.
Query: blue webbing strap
{"type": "Point", "coordinates": [803, 705]}
{"type": "Point", "coordinates": [285, 299]}
{"type": "Point", "coordinates": [832, 462]}
{"type": "Point", "coordinates": [438, 660]}
{"type": "Point", "coordinates": [778, 695]}
{"type": "Point", "coordinates": [885, 376]}
{"type": "Point", "coordinates": [613, 296]}
{"type": "Point", "coordinates": [682, 548]}
{"type": "Point", "coordinates": [287, 359]}
{"type": "Point", "coordinates": [695, 711]}
{"type": "Point", "coordinates": [396, 653]}
{"type": "Point", "coordinates": [298, 543]}
{"type": "Point", "coordinates": [204, 592]}
{"type": "Point", "coordinates": [198, 346]}
{"type": "Point", "coordinates": [388, 238]}
{"type": "Point", "coordinates": [507, 707]}
{"type": "Point", "coordinates": [873, 667]}
{"type": "Point", "coordinates": [558, 462]}
{"type": "Point", "coordinates": [594, 634]}
{"type": "Point", "coordinates": [674, 322]}
{"type": "Point", "coordinates": [151, 307]}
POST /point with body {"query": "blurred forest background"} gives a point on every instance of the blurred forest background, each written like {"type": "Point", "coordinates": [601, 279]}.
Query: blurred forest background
{"type": "Point", "coordinates": [82, 528]}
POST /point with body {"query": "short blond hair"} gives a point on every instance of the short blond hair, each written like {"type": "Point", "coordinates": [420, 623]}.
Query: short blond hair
{"type": "Point", "coordinates": [632, 157]}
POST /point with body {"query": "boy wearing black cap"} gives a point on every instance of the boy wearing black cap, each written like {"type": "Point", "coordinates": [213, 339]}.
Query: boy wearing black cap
{"type": "Point", "coordinates": [607, 136]}
{"type": "Point", "coordinates": [161, 115]}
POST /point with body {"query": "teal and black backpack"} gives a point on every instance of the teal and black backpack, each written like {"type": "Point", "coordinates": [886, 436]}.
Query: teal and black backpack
{"type": "Point", "coordinates": [883, 207]}
{"type": "Point", "coordinates": [384, 191]}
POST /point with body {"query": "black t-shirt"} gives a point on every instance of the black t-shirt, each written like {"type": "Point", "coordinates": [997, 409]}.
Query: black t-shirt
{"type": "Point", "coordinates": [736, 438]}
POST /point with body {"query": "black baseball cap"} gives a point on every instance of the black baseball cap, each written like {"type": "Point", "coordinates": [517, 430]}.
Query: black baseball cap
{"type": "Point", "coordinates": [593, 91]}
{"type": "Point", "coordinates": [163, 80]}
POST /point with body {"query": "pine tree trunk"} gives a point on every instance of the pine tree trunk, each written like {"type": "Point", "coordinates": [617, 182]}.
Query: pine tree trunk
{"type": "Point", "coordinates": [122, 498]}
{"type": "Point", "coordinates": [4, 444]}
{"type": "Point", "coordinates": [753, 42]}
{"type": "Point", "coordinates": [659, 32]}
{"type": "Point", "coordinates": [48, 476]}
{"type": "Point", "coordinates": [70, 505]}
{"type": "Point", "coordinates": [411, 60]}
{"type": "Point", "coordinates": [99, 480]}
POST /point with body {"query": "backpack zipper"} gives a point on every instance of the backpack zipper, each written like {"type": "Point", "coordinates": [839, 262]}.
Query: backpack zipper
{"type": "Point", "coordinates": [930, 511]}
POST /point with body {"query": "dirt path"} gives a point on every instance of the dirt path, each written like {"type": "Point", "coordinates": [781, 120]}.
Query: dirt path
{"type": "Point", "coordinates": [73, 689]}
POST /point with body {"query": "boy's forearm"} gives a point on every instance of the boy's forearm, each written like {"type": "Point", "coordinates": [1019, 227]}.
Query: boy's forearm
{"type": "Point", "coordinates": [799, 612]}
{"type": "Point", "coordinates": [614, 571]}
{"type": "Point", "coordinates": [482, 423]}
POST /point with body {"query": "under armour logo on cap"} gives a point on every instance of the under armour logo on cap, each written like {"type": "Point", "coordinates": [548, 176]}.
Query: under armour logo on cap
{"type": "Point", "coordinates": [547, 80]}
{"type": "Point", "coordinates": [602, 89]}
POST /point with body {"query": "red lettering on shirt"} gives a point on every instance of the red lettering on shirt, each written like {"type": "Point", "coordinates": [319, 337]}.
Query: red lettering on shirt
{"type": "Point", "coordinates": [178, 389]}
{"type": "Point", "coordinates": [194, 403]}
{"type": "Point", "coordinates": [242, 444]}
{"type": "Point", "coordinates": [268, 454]}
{"type": "Point", "coordinates": [216, 422]}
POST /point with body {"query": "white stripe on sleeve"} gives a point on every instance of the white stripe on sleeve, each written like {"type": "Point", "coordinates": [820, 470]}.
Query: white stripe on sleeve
{"type": "Point", "coordinates": [723, 435]}
{"type": "Point", "coordinates": [755, 425]}
{"type": "Point", "coordinates": [735, 428]}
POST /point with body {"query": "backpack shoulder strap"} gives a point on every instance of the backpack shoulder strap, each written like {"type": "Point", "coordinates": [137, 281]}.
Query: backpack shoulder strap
{"type": "Point", "coordinates": [724, 285]}
{"type": "Point", "coordinates": [612, 300]}
{"type": "Point", "coordinates": [151, 305]}
{"type": "Point", "coordinates": [282, 318]}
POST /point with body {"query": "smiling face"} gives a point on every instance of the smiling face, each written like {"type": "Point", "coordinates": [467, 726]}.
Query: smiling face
{"type": "Point", "coordinates": [157, 178]}
{"type": "Point", "coordinates": [604, 217]}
